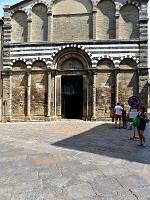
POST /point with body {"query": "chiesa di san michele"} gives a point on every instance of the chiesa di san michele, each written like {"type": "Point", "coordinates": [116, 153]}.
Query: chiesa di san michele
{"type": "Point", "coordinates": [72, 59]}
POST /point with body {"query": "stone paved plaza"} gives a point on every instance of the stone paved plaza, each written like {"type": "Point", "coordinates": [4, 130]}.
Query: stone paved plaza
{"type": "Point", "coordinates": [72, 160]}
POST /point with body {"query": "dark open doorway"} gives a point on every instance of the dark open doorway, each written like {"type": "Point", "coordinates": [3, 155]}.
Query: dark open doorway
{"type": "Point", "coordinates": [72, 97]}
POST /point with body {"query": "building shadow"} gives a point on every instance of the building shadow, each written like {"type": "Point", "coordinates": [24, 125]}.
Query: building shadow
{"type": "Point", "coordinates": [108, 141]}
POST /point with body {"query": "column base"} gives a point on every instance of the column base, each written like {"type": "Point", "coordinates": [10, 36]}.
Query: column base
{"type": "Point", "coordinates": [6, 119]}
{"type": "Point", "coordinates": [93, 118]}
{"type": "Point", "coordinates": [28, 118]}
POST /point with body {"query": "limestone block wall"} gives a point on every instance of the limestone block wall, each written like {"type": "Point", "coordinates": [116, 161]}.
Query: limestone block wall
{"type": "Point", "coordinates": [38, 90]}
{"type": "Point", "coordinates": [75, 20]}
{"type": "Point", "coordinates": [105, 88]}
{"type": "Point", "coordinates": [19, 97]}
{"type": "Point", "coordinates": [72, 20]}
{"type": "Point", "coordinates": [127, 86]}
{"type": "Point", "coordinates": [105, 94]}
{"type": "Point", "coordinates": [127, 80]}
{"type": "Point", "coordinates": [68, 28]}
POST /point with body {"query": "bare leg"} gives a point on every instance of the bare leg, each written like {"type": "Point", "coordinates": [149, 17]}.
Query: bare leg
{"type": "Point", "coordinates": [119, 123]}
{"type": "Point", "coordinates": [115, 122]}
{"type": "Point", "coordinates": [140, 136]}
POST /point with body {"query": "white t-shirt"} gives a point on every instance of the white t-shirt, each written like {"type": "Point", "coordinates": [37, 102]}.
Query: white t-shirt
{"type": "Point", "coordinates": [118, 110]}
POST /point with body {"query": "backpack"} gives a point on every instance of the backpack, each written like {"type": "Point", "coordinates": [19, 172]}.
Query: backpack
{"type": "Point", "coordinates": [135, 121]}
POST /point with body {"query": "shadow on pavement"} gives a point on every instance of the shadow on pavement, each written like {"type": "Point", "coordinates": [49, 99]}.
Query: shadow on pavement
{"type": "Point", "coordinates": [107, 141]}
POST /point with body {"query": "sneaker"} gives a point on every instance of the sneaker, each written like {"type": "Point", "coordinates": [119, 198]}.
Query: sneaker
{"type": "Point", "coordinates": [144, 145]}
{"type": "Point", "coordinates": [140, 145]}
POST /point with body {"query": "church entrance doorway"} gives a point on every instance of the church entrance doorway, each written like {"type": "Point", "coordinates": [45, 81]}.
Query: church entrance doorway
{"type": "Point", "coordinates": [72, 97]}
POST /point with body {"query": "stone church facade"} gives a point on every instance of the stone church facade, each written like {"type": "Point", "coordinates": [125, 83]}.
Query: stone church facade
{"type": "Point", "coordinates": [72, 58]}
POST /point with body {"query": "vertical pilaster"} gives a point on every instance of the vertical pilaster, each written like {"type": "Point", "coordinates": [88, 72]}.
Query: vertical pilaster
{"type": "Point", "coordinates": [50, 21]}
{"type": "Point", "coordinates": [143, 86]}
{"type": "Point", "coordinates": [29, 94]}
{"type": "Point", "coordinates": [117, 84]}
{"type": "Point", "coordinates": [94, 23]}
{"type": "Point", "coordinates": [29, 37]}
{"type": "Point", "coordinates": [85, 98]}
{"type": "Point", "coordinates": [7, 95]}
{"type": "Point", "coordinates": [49, 94]}
{"type": "Point", "coordinates": [94, 96]}
{"type": "Point", "coordinates": [7, 24]}
{"type": "Point", "coordinates": [1, 63]}
{"type": "Point", "coordinates": [117, 24]}
{"type": "Point", "coordinates": [58, 96]}
{"type": "Point", "coordinates": [53, 93]}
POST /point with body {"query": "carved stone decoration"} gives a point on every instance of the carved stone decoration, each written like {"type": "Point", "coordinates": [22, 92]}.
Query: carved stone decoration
{"type": "Point", "coordinates": [71, 64]}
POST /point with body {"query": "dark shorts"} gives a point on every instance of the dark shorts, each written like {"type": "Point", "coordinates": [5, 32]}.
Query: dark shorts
{"type": "Point", "coordinates": [118, 117]}
{"type": "Point", "coordinates": [141, 127]}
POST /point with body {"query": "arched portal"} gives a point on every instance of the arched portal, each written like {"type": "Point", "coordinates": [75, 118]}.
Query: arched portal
{"type": "Point", "coordinates": [72, 84]}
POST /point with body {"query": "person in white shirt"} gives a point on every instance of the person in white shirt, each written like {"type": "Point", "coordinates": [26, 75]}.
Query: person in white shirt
{"type": "Point", "coordinates": [118, 114]}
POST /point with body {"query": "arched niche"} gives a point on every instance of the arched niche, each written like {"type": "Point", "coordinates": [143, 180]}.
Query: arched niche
{"type": "Point", "coordinates": [19, 90]}
{"type": "Point", "coordinates": [38, 89]}
{"type": "Point", "coordinates": [105, 96]}
{"type": "Point", "coordinates": [105, 20]}
{"type": "Point", "coordinates": [105, 63]}
{"type": "Point", "coordinates": [39, 23]}
{"type": "Point", "coordinates": [127, 80]}
{"type": "Point", "coordinates": [69, 18]}
{"type": "Point", "coordinates": [128, 63]}
{"type": "Point", "coordinates": [19, 66]}
{"type": "Point", "coordinates": [39, 65]}
{"type": "Point", "coordinates": [19, 27]}
{"type": "Point", "coordinates": [129, 22]}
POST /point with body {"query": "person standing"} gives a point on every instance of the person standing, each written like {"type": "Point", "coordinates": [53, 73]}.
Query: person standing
{"type": "Point", "coordinates": [142, 115]}
{"type": "Point", "coordinates": [124, 117]}
{"type": "Point", "coordinates": [118, 114]}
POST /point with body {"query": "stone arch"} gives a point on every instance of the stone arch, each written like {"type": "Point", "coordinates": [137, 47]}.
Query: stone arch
{"type": "Point", "coordinates": [105, 20]}
{"type": "Point", "coordinates": [70, 17]}
{"type": "Point", "coordinates": [128, 63]}
{"type": "Point", "coordinates": [39, 22]}
{"type": "Point", "coordinates": [19, 27]}
{"type": "Point", "coordinates": [130, 2]}
{"type": "Point", "coordinates": [38, 65]}
{"type": "Point", "coordinates": [105, 63]}
{"type": "Point", "coordinates": [129, 22]}
{"type": "Point", "coordinates": [19, 65]}
{"type": "Point", "coordinates": [76, 58]}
